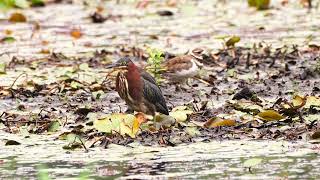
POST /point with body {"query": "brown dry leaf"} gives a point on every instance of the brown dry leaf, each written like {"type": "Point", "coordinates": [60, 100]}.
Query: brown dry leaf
{"type": "Point", "coordinates": [17, 17]}
{"type": "Point", "coordinates": [8, 32]}
{"type": "Point", "coordinates": [284, 2]}
{"type": "Point", "coordinates": [76, 33]}
{"type": "Point", "coordinates": [270, 115]}
{"type": "Point", "coordinates": [217, 122]}
{"type": "Point", "coordinates": [44, 42]}
{"type": "Point", "coordinates": [141, 118]}
{"type": "Point", "coordinates": [45, 51]}
{"type": "Point", "coordinates": [316, 135]}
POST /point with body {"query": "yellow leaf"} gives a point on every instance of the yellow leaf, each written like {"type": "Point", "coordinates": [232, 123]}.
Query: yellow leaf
{"type": "Point", "coordinates": [297, 100]}
{"type": "Point", "coordinates": [135, 126]}
{"type": "Point", "coordinates": [312, 101]}
{"type": "Point", "coordinates": [103, 125]}
{"type": "Point", "coordinates": [232, 41]}
{"type": "Point", "coordinates": [217, 122]}
{"type": "Point", "coordinates": [124, 124]}
{"type": "Point", "coordinates": [270, 115]}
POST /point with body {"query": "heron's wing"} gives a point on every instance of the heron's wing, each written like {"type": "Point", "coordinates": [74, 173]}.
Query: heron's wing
{"type": "Point", "coordinates": [145, 75]}
{"type": "Point", "coordinates": [153, 94]}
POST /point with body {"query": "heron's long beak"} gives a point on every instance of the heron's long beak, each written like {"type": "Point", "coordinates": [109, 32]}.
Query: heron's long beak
{"type": "Point", "coordinates": [113, 65]}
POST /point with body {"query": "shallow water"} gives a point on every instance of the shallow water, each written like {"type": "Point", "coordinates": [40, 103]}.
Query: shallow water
{"type": "Point", "coordinates": [280, 159]}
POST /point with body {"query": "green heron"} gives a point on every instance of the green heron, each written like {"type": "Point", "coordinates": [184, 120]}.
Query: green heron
{"type": "Point", "coordinates": [138, 88]}
{"type": "Point", "coordinates": [180, 68]}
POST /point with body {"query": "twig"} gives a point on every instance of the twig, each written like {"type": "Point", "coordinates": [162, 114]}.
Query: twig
{"type": "Point", "coordinates": [84, 146]}
{"type": "Point", "coordinates": [201, 80]}
{"type": "Point", "coordinates": [17, 79]}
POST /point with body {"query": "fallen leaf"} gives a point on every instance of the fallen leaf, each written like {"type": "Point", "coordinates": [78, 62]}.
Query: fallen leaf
{"type": "Point", "coordinates": [98, 94]}
{"type": "Point", "coordinates": [21, 3]}
{"type": "Point", "coordinates": [37, 3]}
{"type": "Point", "coordinates": [232, 41]}
{"type": "Point", "coordinates": [12, 142]}
{"type": "Point", "coordinates": [45, 51]}
{"type": "Point", "coordinates": [315, 135]}
{"type": "Point", "coordinates": [252, 162]}
{"type": "Point", "coordinates": [312, 101]}
{"type": "Point", "coordinates": [217, 122]}
{"type": "Point", "coordinates": [124, 124]}
{"type": "Point", "coordinates": [76, 33]}
{"type": "Point", "coordinates": [84, 67]}
{"type": "Point", "coordinates": [54, 126]}
{"type": "Point", "coordinates": [75, 85]}
{"type": "Point", "coordinates": [163, 121]}
{"type": "Point", "coordinates": [165, 13]}
{"type": "Point", "coordinates": [141, 117]}
{"type": "Point", "coordinates": [17, 17]}
{"type": "Point", "coordinates": [8, 32]}
{"type": "Point", "coordinates": [180, 113]}
{"type": "Point", "coordinates": [192, 131]}
{"type": "Point", "coordinates": [3, 68]}
{"type": "Point", "coordinates": [270, 115]}
{"type": "Point", "coordinates": [297, 100]}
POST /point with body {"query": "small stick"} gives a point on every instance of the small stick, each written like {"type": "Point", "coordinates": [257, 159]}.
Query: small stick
{"type": "Point", "coordinates": [18, 78]}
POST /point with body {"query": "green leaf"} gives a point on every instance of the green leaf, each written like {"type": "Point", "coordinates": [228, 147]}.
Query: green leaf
{"type": "Point", "coordinates": [8, 39]}
{"type": "Point", "coordinates": [42, 173]}
{"type": "Point", "coordinates": [252, 3]}
{"type": "Point", "coordinates": [22, 3]}
{"type": "Point", "coordinates": [98, 94]}
{"type": "Point", "coordinates": [192, 131]}
{"type": "Point", "coordinates": [2, 68]}
{"type": "Point", "coordinates": [103, 125]}
{"type": "Point", "coordinates": [262, 4]}
{"type": "Point", "coordinates": [232, 41]}
{"type": "Point", "coordinates": [54, 126]}
{"type": "Point", "coordinates": [84, 67]}
{"type": "Point", "coordinates": [252, 162]}
{"type": "Point", "coordinates": [75, 85]}
{"type": "Point", "coordinates": [37, 3]}
{"type": "Point", "coordinates": [6, 4]}
{"type": "Point", "coordinates": [180, 113]}
{"type": "Point", "coordinates": [74, 138]}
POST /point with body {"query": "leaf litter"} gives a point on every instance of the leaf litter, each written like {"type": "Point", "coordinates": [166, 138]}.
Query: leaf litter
{"type": "Point", "coordinates": [255, 90]}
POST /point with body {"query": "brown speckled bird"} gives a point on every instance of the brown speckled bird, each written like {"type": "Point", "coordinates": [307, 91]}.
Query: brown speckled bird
{"type": "Point", "coordinates": [180, 68]}
{"type": "Point", "coordinates": [139, 89]}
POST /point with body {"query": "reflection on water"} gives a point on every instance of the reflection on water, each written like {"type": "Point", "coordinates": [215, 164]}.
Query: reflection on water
{"type": "Point", "coordinates": [199, 160]}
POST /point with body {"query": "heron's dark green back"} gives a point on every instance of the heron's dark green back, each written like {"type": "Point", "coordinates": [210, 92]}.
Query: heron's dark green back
{"type": "Point", "coordinates": [153, 94]}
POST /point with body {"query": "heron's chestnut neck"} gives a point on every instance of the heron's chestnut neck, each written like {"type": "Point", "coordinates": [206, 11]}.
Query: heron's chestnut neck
{"type": "Point", "coordinates": [134, 81]}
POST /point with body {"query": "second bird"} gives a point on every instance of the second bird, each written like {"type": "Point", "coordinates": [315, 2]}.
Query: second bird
{"type": "Point", "coordinates": [181, 68]}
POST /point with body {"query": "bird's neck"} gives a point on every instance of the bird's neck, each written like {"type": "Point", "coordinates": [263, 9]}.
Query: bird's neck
{"type": "Point", "coordinates": [134, 81]}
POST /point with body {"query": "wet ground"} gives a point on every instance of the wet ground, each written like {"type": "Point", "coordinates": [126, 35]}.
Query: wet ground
{"type": "Point", "coordinates": [55, 74]}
